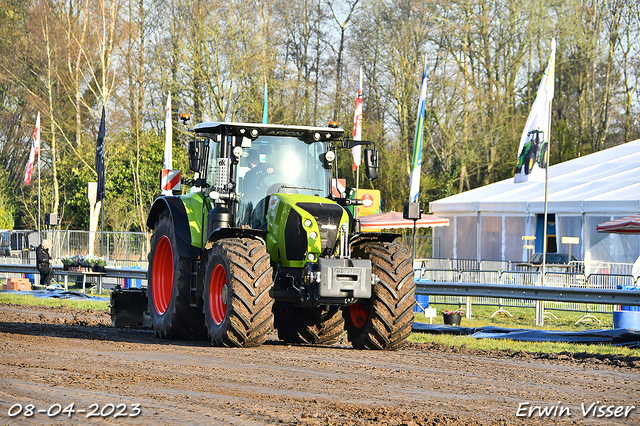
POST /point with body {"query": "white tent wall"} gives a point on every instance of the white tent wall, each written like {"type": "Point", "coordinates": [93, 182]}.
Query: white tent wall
{"type": "Point", "coordinates": [570, 226]}
{"type": "Point", "coordinates": [607, 248]}
{"type": "Point", "coordinates": [445, 237]}
{"type": "Point", "coordinates": [500, 237]}
{"type": "Point", "coordinates": [466, 241]}
{"type": "Point", "coordinates": [489, 222]}
{"type": "Point", "coordinates": [491, 241]}
{"type": "Point", "coordinates": [515, 228]}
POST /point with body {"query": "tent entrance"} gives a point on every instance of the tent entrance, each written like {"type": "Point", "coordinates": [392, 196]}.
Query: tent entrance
{"type": "Point", "coordinates": [552, 243]}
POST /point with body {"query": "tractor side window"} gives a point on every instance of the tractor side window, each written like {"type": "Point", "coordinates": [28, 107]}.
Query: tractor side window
{"type": "Point", "coordinates": [214, 148]}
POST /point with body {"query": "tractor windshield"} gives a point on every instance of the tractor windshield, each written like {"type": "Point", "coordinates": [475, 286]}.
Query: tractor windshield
{"type": "Point", "coordinates": [280, 164]}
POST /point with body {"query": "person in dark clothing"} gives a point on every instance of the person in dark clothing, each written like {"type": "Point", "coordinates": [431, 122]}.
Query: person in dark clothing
{"type": "Point", "coordinates": [44, 261]}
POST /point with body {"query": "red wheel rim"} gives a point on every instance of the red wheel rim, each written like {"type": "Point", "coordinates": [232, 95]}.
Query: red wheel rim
{"type": "Point", "coordinates": [162, 278]}
{"type": "Point", "coordinates": [359, 315]}
{"type": "Point", "coordinates": [218, 294]}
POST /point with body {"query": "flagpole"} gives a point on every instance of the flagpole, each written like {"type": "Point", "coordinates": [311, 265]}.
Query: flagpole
{"type": "Point", "coordinates": [102, 200]}
{"type": "Point", "coordinates": [411, 209]}
{"type": "Point", "coordinates": [358, 165]}
{"type": "Point", "coordinates": [265, 104]}
{"type": "Point", "coordinates": [540, 314]}
{"type": "Point", "coordinates": [100, 193]}
{"type": "Point", "coordinates": [356, 133]}
{"type": "Point", "coordinates": [101, 229]}
{"type": "Point", "coordinates": [540, 310]}
{"type": "Point", "coordinates": [39, 232]}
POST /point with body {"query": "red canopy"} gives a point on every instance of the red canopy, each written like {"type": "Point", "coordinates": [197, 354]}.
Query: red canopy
{"type": "Point", "coordinates": [625, 225]}
{"type": "Point", "coordinates": [395, 220]}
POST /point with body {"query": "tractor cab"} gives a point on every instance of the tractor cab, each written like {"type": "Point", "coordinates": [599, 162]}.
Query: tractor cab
{"type": "Point", "coordinates": [242, 164]}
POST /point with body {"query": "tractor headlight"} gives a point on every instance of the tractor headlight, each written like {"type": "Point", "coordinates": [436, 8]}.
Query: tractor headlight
{"type": "Point", "coordinates": [311, 257]}
{"type": "Point", "coordinates": [313, 235]}
{"type": "Point", "coordinates": [307, 223]}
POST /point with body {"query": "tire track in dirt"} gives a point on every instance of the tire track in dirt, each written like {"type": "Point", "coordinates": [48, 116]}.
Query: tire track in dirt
{"type": "Point", "coordinates": [45, 361]}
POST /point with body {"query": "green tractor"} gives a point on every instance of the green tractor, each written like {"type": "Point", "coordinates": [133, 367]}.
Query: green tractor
{"type": "Point", "coordinates": [533, 151]}
{"type": "Point", "coordinates": [262, 244]}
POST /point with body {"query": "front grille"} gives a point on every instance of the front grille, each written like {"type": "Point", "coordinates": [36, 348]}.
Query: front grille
{"type": "Point", "coordinates": [295, 237]}
{"type": "Point", "coordinates": [328, 217]}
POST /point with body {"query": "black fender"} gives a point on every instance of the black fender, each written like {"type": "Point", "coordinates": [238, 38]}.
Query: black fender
{"type": "Point", "coordinates": [230, 232]}
{"type": "Point", "coordinates": [365, 237]}
{"type": "Point", "coordinates": [180, 222]}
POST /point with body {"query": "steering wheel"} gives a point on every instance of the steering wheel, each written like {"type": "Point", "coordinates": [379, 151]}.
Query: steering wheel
{"type": "Point", "coordinates": [271, 179]}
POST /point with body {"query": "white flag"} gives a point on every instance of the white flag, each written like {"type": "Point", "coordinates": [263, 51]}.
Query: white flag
{"type": "Point", "coordinates": [416, 163]}
{"type": "Point", "coordinates": [357, 127]}
{"type": "Point", "coordinates": [533, 151]}
{"type": "Point", "coordinates": [35, 150]}
{"type": "Point", "coordinates": [168, 129]}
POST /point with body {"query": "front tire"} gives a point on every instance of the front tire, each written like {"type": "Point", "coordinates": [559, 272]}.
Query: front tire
{"type": "Point", "coordinates": [529, 161]}
{"type": "Point", "coordinates": [384, 321]}
{"type": "Point", "coordinates": [169, 289]}
{"type": "Point", "coordinates": [317, 326]}
{"type": "Point", "coordinates": [237, 301]}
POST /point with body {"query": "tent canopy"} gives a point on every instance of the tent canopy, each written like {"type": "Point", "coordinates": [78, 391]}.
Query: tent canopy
{"type": "Point", "coordinates": [395, 220]}
{"type": "Point", "coordinates": [607, 181]}
{"type": "Point", "coordinates": [625, 225]}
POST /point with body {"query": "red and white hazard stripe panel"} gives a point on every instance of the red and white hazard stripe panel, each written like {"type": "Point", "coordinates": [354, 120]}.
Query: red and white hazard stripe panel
{"type": "Point", "coordinates": [170, 180]}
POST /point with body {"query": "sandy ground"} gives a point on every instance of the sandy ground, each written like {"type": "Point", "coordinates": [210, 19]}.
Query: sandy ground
{"type": "Point", "coordinates": [54, 357]}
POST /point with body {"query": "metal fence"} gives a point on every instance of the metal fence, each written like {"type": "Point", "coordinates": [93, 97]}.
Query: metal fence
{"type": "Point", "coordinates": [442, 270]}
{"type": "Point", "coordinates": [120, 248]}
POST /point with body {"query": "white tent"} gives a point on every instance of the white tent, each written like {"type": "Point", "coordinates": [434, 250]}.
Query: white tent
{"type": "Point", "coordinates": [489, 222]}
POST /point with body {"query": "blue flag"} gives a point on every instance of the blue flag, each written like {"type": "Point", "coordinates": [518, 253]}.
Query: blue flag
{"type": "Point", "coordinates": [100, 159]}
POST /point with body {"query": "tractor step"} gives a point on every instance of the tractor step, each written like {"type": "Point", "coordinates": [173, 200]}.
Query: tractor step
{"type": "Point", "coordinates": [193, 285]}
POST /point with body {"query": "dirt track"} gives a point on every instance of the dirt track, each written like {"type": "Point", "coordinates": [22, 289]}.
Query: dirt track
{"type": "Point", "coordinates": [60, 356]}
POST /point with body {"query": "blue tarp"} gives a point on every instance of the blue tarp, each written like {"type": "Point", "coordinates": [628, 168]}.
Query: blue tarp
{"type": "Point", "coordinates": [616, 336]}
{"type": "Point", "coordinates": [58, 294]}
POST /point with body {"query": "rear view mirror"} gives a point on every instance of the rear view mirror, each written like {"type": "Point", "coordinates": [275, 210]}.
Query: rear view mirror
{"type": "Point", "coordinates": [371, 163]}
{"type": "Point", "coordinates": [196, 154]}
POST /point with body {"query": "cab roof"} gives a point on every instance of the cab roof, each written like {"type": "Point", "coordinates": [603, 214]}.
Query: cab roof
{"type": "Point", "coordinates": [255, 130]}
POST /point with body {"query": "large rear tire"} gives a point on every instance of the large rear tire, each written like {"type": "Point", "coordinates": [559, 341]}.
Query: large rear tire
{"type": "Point", "coordinates": [318, 326]}
{"type": "Point", "coordinates": [168, 289]}
{"type": "Point", "coordinates": [237, 300]}
{"type": "Point", "coordinates": [543, 156]}
{"type": "Point", "coordinates": [384, 321]}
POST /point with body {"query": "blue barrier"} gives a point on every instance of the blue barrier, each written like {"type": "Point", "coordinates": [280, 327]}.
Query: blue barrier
{"type": "Point", "coordinates": [132, 282]}
{"type": "Point", "coordinates": [626, 319]}
{"type": "Point", "coordinates": [422, 302]}
{"type": "Point", "coordinates": [629, 287]}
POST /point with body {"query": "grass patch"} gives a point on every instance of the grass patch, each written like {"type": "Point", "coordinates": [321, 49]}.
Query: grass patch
{"type": "Point", "coordinates": [512, 346]}
{"type": "Point", "coordinates": [25, 299]}
{"type": "Point", "coordinates": [522, 318]}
